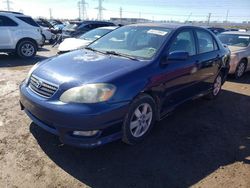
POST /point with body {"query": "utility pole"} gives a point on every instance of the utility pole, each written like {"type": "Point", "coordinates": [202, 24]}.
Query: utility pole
{"type": "Point", "coordinates": [227, 15]}
{"type": "Point", "coordinates": [120, 15]}
{"type": "Point", "coordinates": [50, 14]}
{"type": "Point", "coordinates": [208, 19]}
{"type": "Point", "coordinates": [189, 16]}
{"type": "Point", "coordinates": [8, 2]}
{"type": "Point", "coordinates": [84, 10]}
{"type": "Point", "coordinates": [100, 9]}
{"type": "Point", "coordinates": [79, 9]}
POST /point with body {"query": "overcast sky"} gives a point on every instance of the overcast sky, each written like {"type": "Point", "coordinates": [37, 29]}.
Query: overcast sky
{"type": "Point", "coordinates": [239, 10]}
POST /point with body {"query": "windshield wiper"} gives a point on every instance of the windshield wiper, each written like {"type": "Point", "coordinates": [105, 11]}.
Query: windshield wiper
{"type": "Point", "coordinates": [94, 50]}
{"type": "Point", "coordinates": [121, 55]}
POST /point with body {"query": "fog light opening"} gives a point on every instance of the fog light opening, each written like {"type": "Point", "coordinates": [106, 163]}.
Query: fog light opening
{"type": "Point", "coordinates": [85, 133]}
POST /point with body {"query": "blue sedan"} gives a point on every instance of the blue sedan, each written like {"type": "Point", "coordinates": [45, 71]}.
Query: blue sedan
{"type": "Point", "coordinates": [120, 85]}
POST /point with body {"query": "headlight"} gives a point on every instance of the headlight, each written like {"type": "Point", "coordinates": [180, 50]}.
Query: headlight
{"type": "Point", "coordinates": [89, 93]}
{"type": "Point", "coordinates": [30, 72]}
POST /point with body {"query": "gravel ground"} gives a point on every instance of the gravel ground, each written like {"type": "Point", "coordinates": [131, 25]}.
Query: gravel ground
{"type": "Point", "coordinates": [202, 144]}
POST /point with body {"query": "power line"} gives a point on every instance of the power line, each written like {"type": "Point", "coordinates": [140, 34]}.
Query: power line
{"type": "Point", "coordinates": [79, 9]}
{"type": "Point", "coordinates": [84, 10]}
{"type": "Point", "coordinates": [100, 9]}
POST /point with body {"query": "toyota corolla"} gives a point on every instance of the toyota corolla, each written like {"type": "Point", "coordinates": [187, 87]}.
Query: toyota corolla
{"type": "Point", "coordinates": [120, 85]}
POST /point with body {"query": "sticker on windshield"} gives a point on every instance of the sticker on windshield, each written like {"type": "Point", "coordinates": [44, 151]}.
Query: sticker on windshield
{"type": "Point", "coordinates": [244, 37]}
{"type": "Point", "coordinates": [157, 32]}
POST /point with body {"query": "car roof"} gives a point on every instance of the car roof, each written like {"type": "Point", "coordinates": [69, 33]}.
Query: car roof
{"type": "Point", "coordinates": [108, 27]}
{"type": "Point", "coordinates": [11, 12]}
{"type": "Point", "coordinates": [236, 33]}
{"type": "Point", "coordinates": [165, 25]}
{"type": "Point", "coordinates": [93, 22]}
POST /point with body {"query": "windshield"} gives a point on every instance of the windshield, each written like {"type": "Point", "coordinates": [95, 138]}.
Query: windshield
{"type": "Point", "coordinates": [136, 41]}
{"type": "Point", "coordinates": [235, 40]}
{"type": "Point", "coordinates": [95, 34]}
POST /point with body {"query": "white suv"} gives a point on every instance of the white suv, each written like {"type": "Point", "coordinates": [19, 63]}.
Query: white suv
{"type": "Point", "coordinates": [19, 34]}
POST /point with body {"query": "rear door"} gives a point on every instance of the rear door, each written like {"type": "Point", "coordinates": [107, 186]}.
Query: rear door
{"type": "Point", "coordinates": [208, 60]}
{"type": "Point", "coordinates": [7, 34]}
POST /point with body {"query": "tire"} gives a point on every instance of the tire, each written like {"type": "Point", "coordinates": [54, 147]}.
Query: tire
{"type": "Point", "coordinates": [216, 87]}
{"type": "Point", "coordinates": [26, 49]}
{"type": "Point", "coordinates": [241, 68]}
{"type": "Point", "coordinates": [133, 133]}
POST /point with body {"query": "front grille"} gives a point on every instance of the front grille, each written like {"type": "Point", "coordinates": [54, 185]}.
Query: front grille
{"type": "Point", "coordinates": [42, 87]}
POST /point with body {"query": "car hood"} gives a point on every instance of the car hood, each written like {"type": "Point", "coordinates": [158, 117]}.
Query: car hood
{"type": "Point", "coordinates": [235, 49]}
{"type": "Point", "coordinates": [72, 44]}
{"type": "Point", "coordinates": [84, 66]}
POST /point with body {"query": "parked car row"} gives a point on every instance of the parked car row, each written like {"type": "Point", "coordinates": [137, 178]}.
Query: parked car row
{"type": "Point", "coordinates": [19, 34]}
{"type": "Point", "coordinates": [22, 35]}
{"type": "Point", "coordinates": [122, 83]}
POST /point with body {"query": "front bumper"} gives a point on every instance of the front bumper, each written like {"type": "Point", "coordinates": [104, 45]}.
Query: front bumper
{"type": "Point", "coordinates": [62, 119]}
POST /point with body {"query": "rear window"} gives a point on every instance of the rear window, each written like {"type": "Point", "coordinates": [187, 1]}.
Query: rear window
{"type": "Point", "coordinates": [28, 20]}
{"type": "Point", "coordinates": [235, 39]}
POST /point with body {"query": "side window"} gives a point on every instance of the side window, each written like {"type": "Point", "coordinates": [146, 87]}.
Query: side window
{"type": "Point", "coordinates": [184, 42]}
{"type": "Point", "coordinates": [206, 42]}
{"type": "Point", "coordinates": [28, 20]}
{"type": "Point", "coordinates": [7, 22]}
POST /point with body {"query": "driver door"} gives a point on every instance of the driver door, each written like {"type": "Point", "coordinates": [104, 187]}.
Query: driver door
{"type": "Point", "coordinates": [179, 75]}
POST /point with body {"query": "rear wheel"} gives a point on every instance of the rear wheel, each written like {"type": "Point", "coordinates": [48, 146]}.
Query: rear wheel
{"type": "Point", "coordinates": [26, 49]}
{"type": "Point", "coordinates": [240, 69]}
{"type": "Point", "coordinates": [216, 89]}
{"type": "Point", "coordinates": [139, 119]}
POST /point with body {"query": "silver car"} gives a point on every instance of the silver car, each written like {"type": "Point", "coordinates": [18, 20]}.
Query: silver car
{"type": "Point", "coordinates": [239, 44]}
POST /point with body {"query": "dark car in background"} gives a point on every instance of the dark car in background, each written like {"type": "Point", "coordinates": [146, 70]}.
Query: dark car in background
{"type": "Point", "coordinates": [124, 82]}
{"type": "Point", "coordinates": [217, 30]}
{"type": "Point", "coordinates": [75, 29]}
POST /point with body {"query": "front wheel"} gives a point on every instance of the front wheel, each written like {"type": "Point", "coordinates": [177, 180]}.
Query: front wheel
{"type": "Point", "coordinates": [139, 119]}
{"type": "Point", "coordinates": [216, 89]}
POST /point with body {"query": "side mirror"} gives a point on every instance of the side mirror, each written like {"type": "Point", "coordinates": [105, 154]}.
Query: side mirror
{"type": "Point", "coordinates": [178, 56]}
{"type": "Point", "coordinates": [174, 56]}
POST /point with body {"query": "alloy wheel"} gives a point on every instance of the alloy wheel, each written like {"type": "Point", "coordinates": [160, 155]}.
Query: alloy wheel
{"type": "Point", "coordinates": [27, 50]}
{"type": "Point", "coordinates": [217, 85]}
{"type": "Point", "coordinates": [141, 120]}
{"type": "Point", "coordinates": [240, 69]}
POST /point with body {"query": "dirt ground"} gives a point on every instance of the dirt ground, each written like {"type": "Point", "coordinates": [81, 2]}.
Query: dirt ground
{"type": "Point", "coordinates": [202, 144]}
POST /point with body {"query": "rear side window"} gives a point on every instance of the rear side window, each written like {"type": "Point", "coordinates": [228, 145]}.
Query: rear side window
{"type": "Point", "coordinates": [28, 20]}
{"type": "Point", "coordinates": [184, 42]}
{"type": "Point", "coordinates": [206, 42]}
{"type": "Point", "coordinates": [7, 22]}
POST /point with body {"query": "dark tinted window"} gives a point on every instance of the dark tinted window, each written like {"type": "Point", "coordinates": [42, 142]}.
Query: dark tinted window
{"type": "Point", "coordinates": [41, 23]}
{"type": "Point", "coordinates": [5, 21]}
{"type": "Point", "coordinates": [184, 42]}
{"type": "Point", "coordinates": [206, 42]}
{"type": "Point", "coordinates": [29, 21]}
